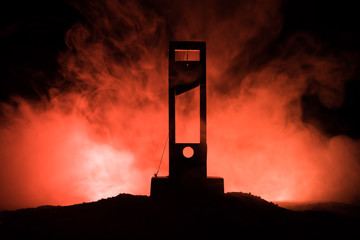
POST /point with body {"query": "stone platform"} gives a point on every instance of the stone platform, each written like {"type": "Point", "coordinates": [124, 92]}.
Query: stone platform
{"type": "Point", "coordinates": [169, 187]}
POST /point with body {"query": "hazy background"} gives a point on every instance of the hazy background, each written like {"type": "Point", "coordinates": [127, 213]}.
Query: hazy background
{"type": "Point", "coordinates": [84, 97]}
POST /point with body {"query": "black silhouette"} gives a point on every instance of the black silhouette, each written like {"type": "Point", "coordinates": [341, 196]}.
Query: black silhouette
{"type": "Point", "coordinates": [187, 175]}
{"type": "Point", "coordinates": [233, 216]}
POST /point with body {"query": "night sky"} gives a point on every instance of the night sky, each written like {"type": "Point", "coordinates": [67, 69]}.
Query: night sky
{"type": "Point", "coordinates": [32, 35]}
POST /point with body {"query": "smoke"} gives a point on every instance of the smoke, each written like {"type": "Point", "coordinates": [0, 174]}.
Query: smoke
{"type": "Point", "coordinates": [280, 157]}
{"type": "Point", "coordinates": [102, 127]}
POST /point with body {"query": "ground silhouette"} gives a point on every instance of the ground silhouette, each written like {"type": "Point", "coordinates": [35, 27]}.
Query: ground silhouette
{"type": "Point", "coordinates": [233, 216]}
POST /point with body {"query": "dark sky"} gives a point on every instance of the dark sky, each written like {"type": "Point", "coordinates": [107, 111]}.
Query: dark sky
{"type": "Point", "coordinates": [32, 34]}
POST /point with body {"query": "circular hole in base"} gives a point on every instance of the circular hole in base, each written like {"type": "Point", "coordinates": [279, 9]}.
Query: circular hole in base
{"type": "Point", "coordinates": [188, 152]}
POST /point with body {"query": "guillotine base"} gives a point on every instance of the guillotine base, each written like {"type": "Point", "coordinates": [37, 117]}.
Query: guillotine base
{"type": "Point", "coordinates": [169, 187]}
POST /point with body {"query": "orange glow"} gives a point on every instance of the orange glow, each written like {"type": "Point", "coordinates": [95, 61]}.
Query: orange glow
{"type": "Point", "coordinates": [187, 55]}
{"type": "Point", "coordinates": [188, 152]}
{"type": "Point", "coordinates": [187, 116]}
{"type": "Point", "coordinates": [104, 133]}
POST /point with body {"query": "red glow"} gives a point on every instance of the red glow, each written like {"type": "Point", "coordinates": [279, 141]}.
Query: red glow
{"type": "Point", "coordinates": [187, 117]}
{"type": "Point", "coordinates": [187, 55]}
{"type": "Point", "coordinates": [188, 152]}
{"type": "Point", "coordinates": [105, 135]}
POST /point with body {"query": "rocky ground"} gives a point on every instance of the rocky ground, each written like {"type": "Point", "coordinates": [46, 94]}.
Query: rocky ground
{"type": "Point", "coordinates": [233, 216]}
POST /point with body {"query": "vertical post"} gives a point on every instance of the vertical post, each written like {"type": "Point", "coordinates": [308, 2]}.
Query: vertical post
{"type": "Point", "coordinates": [203, 143]}
{"type": "Point", "coordinates": [172, 164]}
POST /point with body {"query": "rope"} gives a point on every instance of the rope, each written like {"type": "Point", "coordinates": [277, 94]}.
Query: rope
{"type": "Point", "coordinates": [162, 155]}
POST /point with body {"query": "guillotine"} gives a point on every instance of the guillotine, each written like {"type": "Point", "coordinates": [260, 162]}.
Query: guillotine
{"type": "Point", "coordinates": [187, 173]}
